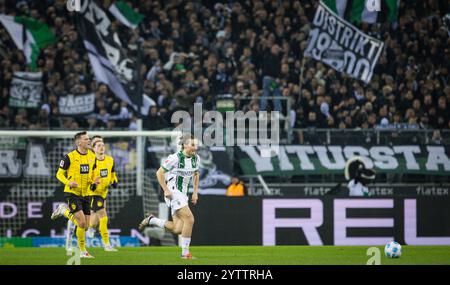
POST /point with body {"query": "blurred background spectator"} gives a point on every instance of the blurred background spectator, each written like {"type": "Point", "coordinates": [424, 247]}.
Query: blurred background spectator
{"type": "Point", "coordinates": [236, 188]}
{"type": "Point", "coordinates": [195, 51]}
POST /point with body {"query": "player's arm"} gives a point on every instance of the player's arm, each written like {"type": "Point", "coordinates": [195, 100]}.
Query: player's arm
{"type": "Point", "coordinates": [94, 181]}
{"type": "Point", "coordinates": [167, 165]}
{"type": "Point", "coordinates": [162, 181]}
{"type": "Point", "coordinates": [61, 173]}
{"type": "Point", "coordinates": [196, 179]}
{"type": "Point", "coordinates": [114, 179]}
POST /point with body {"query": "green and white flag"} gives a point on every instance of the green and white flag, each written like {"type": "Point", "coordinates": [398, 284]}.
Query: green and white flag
{"type": "Point", "coordinates": [29, 35]}
{"type": "Point", "coordinates": [125, 14]}
{"type": "Point", "coordinates": [367, 11]}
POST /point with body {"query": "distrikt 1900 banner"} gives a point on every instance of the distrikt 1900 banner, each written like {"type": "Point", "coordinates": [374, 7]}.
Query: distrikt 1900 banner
{"type": "Point", "coordinates": [322, 221]}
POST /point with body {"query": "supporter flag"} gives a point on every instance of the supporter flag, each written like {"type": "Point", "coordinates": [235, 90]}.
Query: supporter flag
{"type": "Point", "coordinates": [76, 104]}
{"type": "Point", "coordinates": [29, 35]}
{"type": "Point", "coordinates": [26, 90]}
{"type": "Point", "coordinates": [107, 54]}
{"type": "Point", "coordinates": [342, 46]}
{"type": "Point", "coordinates": [125, 14]}
{"type": "Point", "coordinates": [367, 11]}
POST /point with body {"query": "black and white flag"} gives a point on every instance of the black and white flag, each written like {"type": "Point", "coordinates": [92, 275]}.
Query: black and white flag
{"type": "Point", "coordinates": [342, 46]}
{"type": "Point", "coordinates": [107, 54]}
{"type": "Point", "coordinates": [76, 104]}
{"type": "Point", "coordinates": [26, 90]}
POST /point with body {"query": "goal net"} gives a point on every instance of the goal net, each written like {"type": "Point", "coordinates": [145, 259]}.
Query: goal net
{"type": "Point", "coordinates": [29, 190]}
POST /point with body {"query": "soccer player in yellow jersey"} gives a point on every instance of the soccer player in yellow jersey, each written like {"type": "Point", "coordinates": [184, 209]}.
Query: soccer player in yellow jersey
{"type": "Point", "coordinates": [93, 219]}
{"type": "Point", "coordinates": [75, 172]}
{"type": "Point", "coordinates": [103, 171]}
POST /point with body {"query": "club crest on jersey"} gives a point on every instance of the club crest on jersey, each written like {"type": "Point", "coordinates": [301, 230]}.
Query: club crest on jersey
{"type": "Point", "coordinates": [84, 168]}
{"type": "Point", "coordinates": [103, 173]}
{"type": "Point", "coordinates": [61, 164]}
{"type": "Point", "coordinates": [73, 206]}
{"type": "Point", "coordinates": [99, 203]}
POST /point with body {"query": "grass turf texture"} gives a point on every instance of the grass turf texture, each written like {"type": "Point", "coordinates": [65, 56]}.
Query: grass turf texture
{"type": "Point", "coordinates": [230, 255]}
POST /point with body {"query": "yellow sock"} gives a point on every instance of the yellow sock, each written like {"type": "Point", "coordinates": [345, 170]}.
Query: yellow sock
{"type": "Point", "coordinates": [104, 230]}
{"type": "Point", "coordinates": [71, 217]}
{"type": "Point", "coordinates": [81, 240]}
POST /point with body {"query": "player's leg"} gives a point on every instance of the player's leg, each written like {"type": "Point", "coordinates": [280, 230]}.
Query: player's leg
{"type": "Point", "coordinates": [93, 221]}
{"type": "Point", "coordinates": [63, 210]}
{"type": "Point", "coordinates": [187, 217]}
{"type": "Point", "coordinates": [174, 226]}
{"type": "Point", "coordinates": [100, 211]}
{"type": "Point", "coordinates": [81, 231]}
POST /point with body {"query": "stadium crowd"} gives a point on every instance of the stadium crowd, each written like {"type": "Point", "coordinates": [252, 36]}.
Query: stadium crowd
{"type": "Point", "coordinates": [195, 52]}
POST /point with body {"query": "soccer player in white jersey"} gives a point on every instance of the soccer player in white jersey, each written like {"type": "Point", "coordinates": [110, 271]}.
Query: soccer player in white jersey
{"type": "Point", "coordinates": [175, 176]}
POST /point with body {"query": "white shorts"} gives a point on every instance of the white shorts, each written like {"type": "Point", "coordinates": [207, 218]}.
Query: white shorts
{"type": "Point", "coordinates": [178, 201]}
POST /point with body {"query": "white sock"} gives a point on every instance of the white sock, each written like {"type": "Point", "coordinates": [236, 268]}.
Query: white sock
{"type": "Point", "coordinates": [69, 233]}
{"type": "Point", "coordinates": [185, 242]}
{"type": "Point", "coordinates": [157, 222]}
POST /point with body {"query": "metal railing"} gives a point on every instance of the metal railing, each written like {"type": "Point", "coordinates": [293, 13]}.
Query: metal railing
{"type": "Point", "coordinates": [369, 136]}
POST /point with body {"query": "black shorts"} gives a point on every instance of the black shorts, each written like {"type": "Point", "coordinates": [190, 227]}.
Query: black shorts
{"type": "Point", "coordinates": [97, 203]}
{"type": "Point", "coordinates": [77, 203]}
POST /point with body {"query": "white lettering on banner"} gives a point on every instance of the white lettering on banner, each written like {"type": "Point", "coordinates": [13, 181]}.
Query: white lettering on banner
{"type": "Point", "coordinates": [10, 166]}
{"type": "Point", "coordinates": [408, 151]}
{"type": "Point", "coordinates": [302, 154]}
{"type": "Point", "coordinates": [285, 164]}
{"type": "Point", "coordinates": [5, 214]}
{"type": "Point", "coordinates": [53, 234]}
{"type": "Point", "coordinates": [336, 151]}
{"type": "Point", "coordinates": [334, 158]}
{"type": "Point", "coordinates": [436, 156]}
{"type": "Point", "coordinates": [341, 222]}
{"type": "Point", "coordinates": [352, 151]}
{"type": "Point", "coordinates": [143, 239]}
{"type": "Point", "coordinates": [342, 46]}
{"type": "Point", "coordinates": [411, 227]}
{"type": "Point", "coordinates": [308, 225]}
{"type": "Point", "coordinates": [114, 232]}
{"type": "Point", "coordinates": [36, 162]}
{"type": "Point", "coordinates": [432, 191]}
{"type": "Point", "coordinates": [383, 157]}
{"type": "Point", "coordinates": [29, 232]}
{"type": "Point", "coordinates": [34, 210]}
{"type": "Point", "coordinates": [76, 104]}
{"type": "Point", "coordinates": [261, 163]}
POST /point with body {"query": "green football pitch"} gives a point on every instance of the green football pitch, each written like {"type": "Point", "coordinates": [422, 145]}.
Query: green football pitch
{"type": "Point", "coordinates": [231, 255]}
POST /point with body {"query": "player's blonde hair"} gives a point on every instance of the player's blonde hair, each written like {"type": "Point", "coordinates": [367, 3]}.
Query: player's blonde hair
{"type": "Point", "coordinates": [185, 138]}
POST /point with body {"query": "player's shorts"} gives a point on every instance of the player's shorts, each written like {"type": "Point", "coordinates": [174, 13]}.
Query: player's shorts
{"type": "Point", "coordinates": [178, 201]}
{"type": "Point", "coordinates": [77, 203]}
{"type": "Point", "coordinates": [96, 203]}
